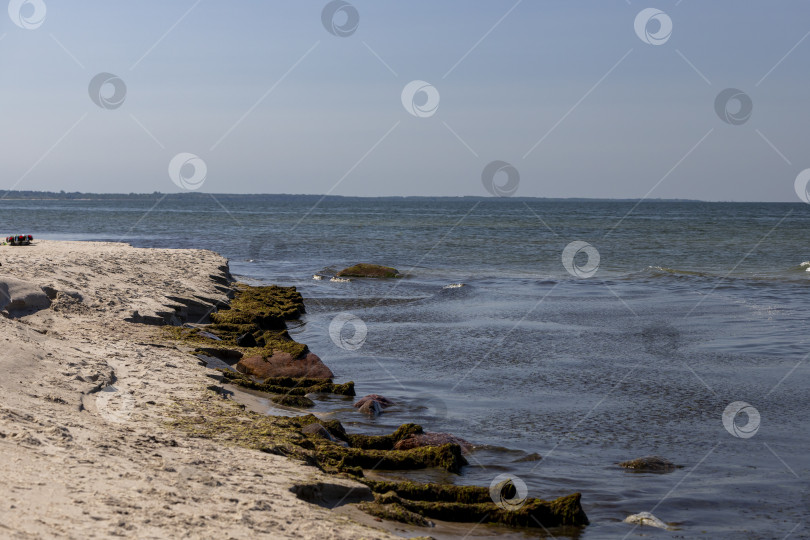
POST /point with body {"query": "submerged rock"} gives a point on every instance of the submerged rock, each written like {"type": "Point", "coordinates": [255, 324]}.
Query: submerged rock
{"type": "Point", "coordinates": [373, 404]}
{"type": "Point", "coordinates": [529, 457]}
{"type": "Point", "coordinates": [364, 270]}
{"type": "Point", "coordinates": [418, 440]}
{"type": "Point", "coordinates": [282, 364]}
{"type": "Point", "coordinates": [646, 518]}
{"type": "Point", "coordinates": [650, 464]}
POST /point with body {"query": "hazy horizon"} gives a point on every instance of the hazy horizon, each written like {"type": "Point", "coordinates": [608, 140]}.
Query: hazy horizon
{"type": "Point", "coordinates": [587, 100]}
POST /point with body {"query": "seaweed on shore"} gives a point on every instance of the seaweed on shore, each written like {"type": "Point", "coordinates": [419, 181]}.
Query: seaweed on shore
{"type": "Point", "coordinates": [259, 312]}
{"type": "Point", "coordinates": [289, 386]}
{"type": "Point", "coordinates": [339, 452]}
{"type": "Point", "coordinates": [223, 420]}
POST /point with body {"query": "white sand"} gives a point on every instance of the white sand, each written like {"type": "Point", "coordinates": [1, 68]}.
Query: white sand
{"type": "Point", "coordinates": [81, 464]}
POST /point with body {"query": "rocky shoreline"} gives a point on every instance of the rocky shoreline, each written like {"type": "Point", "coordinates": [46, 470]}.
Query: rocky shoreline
{"type": "Point", "coordinates": [277, 365]}
{"type": "Point", "coordinates": [110, 424]}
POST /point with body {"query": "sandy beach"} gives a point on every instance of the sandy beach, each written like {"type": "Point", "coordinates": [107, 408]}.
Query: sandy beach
{"type": "Point", "coordinates": [88, 389]}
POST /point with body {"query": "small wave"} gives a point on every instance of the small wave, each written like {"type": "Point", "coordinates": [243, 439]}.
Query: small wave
{"type": "Point", "coordinates": [340, 280]}
{"type": "Point", "coordinates": [454, 286]}
{"type": "Point", "coordinates": [316, 276]}
{"type": "Point", "coordinates": [659, 270]}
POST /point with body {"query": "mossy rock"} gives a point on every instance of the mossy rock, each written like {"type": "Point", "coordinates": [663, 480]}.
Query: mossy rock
{"type": "Point", "coordinates": [261, 312]}
{"type": "Point", "coordinates": [288, 400]}
{"type": "Point", "coordinates": [565, 510]}
{"type": "Point", "coordinates": [394, 512]}
{"type": "Point", "coordinates": [266, 307]}
{"type": "Point", "coordinates": [364, 270]}
{"type": "Point", "coordinates": [213, 418]}
{"type": "Point", "coordinates": [289, 385]}
{"type": "Point", "coordinates": [447, 457]}
{"type": "Point", "coordinates": [384, 442]}
{"type": "Point", "coordinates": [432, 492]}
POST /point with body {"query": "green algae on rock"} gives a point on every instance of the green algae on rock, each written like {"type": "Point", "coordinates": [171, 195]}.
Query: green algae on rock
{"type": "Point", "coordinates": [288, 400]}
{"type": "Point", "coordinates": [565, 510]}
{"type": "Point", "coordinates": [289, 385]}
{"type": "Point", "coordinates": [365, 270]}
{"type": "Point", "coordinates": [261, 313]}
{"type": "Point", "coordinates": [220, 419]}
{"type": "Point", "coordinates": [394, 512]}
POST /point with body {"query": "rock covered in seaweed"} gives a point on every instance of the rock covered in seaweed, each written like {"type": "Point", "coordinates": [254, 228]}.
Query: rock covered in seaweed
{"type": "Point", "coordinates": [650, 464]}
{"type": "Point", "coordinates": [472, 504]}
{"type": "Point", "coordinates": [418, 440]}
{"type": "Point", "coordinates": [318, 430]}
{"type": "Point", "coordinates": [365, 270]}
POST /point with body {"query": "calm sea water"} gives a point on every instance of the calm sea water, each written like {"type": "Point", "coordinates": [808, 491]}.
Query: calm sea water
{"type": "Point", "coordinates": [693, 306]}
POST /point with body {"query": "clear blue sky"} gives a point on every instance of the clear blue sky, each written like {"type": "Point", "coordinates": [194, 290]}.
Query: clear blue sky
{"type": "Point", "coordinates": [335, 123]}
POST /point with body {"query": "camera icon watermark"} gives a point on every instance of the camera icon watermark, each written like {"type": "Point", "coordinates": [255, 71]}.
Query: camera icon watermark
{"type": "Point", "coordinates": [508, 492]}
{"type": "Point", "coordinates": [569, 256]}
{"type": "Point", "coordinates": [27, 14]}
{"type": "Point", "coordinates": [649, 17]}
{"type": "Point", "coordinates": [420, 99]}
{"type": "Point", "coordinates": [332, 14]}
{"type": "Point", "coordinates": [99, 90]}
{"type": "Point", "coordinates": [339, 336]}
{"type": "Point", "coordinates": [188, 171]}
{"type": "Point", "coordinates": [733, 412]}
{"type": "Point", "coordinates": [801, 184]}
{"type": "Point", "coordinates": [115, 405]}
{"type": "Point", "coordinates": [727, 113]}
{"type": "Point", "coordinates": [507, 188]}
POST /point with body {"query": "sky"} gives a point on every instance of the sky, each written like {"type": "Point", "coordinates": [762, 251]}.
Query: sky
{"type": "Point", "coordinates": [576, 99]}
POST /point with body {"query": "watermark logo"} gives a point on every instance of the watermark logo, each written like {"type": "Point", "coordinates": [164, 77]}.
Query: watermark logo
{"type": "Point", "coordinates": [508, 492]}
{"type": "Point", "coordinates": [115, 405]}
{"type": "Point", "coordinates": [27, 14]}
{"type": "Point", "coordinates": [727, 112]}
{"type": "Point", "coordinates": [340, 18]}
{"type": "Point", "coordinates": [649, 17]}
{"type": "Point", "coordinates": [800, 185]}
{"type": "Point", "coordinates": [187, 171]}
{"type": "Point", "coordinates": [569, 256]}
{"type": "Point", "coordinates": [339, 336]}
{"type": "Point", "coordinates": [421, 99]}
{"type": "Point", "coordinates": [99, 90]}
{"type": "Point", "coordinates": [733, 411]}
{"type": "Point", "coordinates": [506, 189]}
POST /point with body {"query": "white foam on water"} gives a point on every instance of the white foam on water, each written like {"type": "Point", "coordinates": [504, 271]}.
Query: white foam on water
{"type": "Point", "coordinates": [340, 280]}
{"type": "Point", "coordinates": [454, 286]}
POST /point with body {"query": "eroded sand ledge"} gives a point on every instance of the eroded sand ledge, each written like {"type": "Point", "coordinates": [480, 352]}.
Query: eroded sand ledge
{"type": "Point", "coordinates": [80, 459]}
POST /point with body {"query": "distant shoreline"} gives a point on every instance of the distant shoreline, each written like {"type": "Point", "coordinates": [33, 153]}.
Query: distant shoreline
{"type": "Point", "coordinates": [191, 196]}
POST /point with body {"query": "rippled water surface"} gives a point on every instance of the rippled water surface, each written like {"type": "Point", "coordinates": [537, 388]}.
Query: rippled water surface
{"type": "Point", "coordinates": [693, 306]}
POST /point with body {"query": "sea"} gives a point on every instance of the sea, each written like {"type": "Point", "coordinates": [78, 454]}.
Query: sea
{"type": "Point", "coordinates": [584, 332]}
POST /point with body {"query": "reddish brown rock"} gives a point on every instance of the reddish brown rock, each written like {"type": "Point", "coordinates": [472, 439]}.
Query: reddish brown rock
{"type": "Point", "coordinates": [282, 364]}
{"type": "Point", "coordinates": [373, 404]}
{"type": "Point", "coordinates": [431, 439]}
